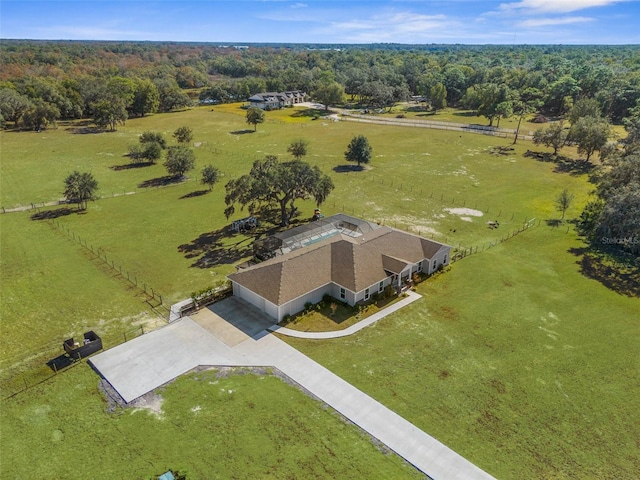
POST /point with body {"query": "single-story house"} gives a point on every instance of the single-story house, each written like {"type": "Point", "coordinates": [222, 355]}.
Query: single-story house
{"type": "Point", "coordinates": [346, 264]}
{"type": "Point", "coordinates": [275, 100]}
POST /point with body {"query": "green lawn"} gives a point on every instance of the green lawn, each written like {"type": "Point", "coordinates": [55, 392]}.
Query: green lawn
{"type": "Point", "coordinates": [514, 359]}
{"type": "Point", "coordinates": [52, 289]}
{"type": "Point", "coordinates": [475, 363]}
{"type": "Point", "coordinates": [209, 426]}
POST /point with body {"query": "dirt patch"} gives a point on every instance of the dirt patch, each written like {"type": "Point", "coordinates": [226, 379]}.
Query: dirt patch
{"type": "Point", "coordinates": [470, 212]}
{"type": "Point", "coordinates": [417, 225]}
{"type": "Point", "coordinates": [151, 402]}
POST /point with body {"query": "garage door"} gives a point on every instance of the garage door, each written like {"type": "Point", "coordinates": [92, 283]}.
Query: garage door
{"type": "Point", "coordinates": [249, 296]}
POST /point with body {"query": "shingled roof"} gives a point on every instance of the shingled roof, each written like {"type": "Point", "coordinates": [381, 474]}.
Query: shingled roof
{"type": "Point", "coordinates": [353, 263]}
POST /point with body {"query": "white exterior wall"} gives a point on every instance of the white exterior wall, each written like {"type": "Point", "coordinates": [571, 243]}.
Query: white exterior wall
{"type": "Point", "coordinates": [375, 288]}
{"type": "Point", "coordinates": [296, 305]}
{"type": "Point", "coordinates": [349, 295]}
{"type": "Point", "coordinates": [443, 257]}
{"type": "Point", "coordinates": [271, 309]}
{"type": "Point", "coordinates": [246, 294]}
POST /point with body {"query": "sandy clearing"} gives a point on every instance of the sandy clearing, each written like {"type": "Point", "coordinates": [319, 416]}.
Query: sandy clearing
{"type": "Point", "coordinates": [464, 211]}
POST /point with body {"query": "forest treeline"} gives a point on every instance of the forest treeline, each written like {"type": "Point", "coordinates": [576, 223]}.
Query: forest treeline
{"type": "Point", "coordinates": [589, 86]}
{"type": "Point", "coordinates": [41, 82]}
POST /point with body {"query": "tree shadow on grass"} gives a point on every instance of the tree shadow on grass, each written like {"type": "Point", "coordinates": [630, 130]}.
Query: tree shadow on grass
{"type": "Point", "coordinates": [470, 113]}
{"type": "Point", "coordinates": [129, 166]}
{"type": "Point", "coordinates": [86, 130]}
{"type": "Point", "coordinates": [419, 108]}
{"type": "Point", "coordinates": [197, 193]}
{"type": "Point", "coordinates": [241, 132]}
{"type": "Point", "coordinates": [572, 166]}
{"type": "Point", "coordinates": [348, 168]}
{"type": "Point", "coordinates": [210, 249]}
{"type": "Point", "coordinates": [553, 222]}
{"type": "Point", "coordinates": [622, 278]}
{"type": "Point", "coordinates": [161, 181]}
{"type": "Point", "coordinates": [311, 112]}
{"type": "Point", "coordinates": [53, 214]}
{"type": "Point", "coordinates": [563, 164]}
{"type": "Point", "coordinates": [81, 127]}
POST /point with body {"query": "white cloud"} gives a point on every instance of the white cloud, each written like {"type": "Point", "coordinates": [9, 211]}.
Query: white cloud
{"type": "Point", "coordinates": [546, 22]}
{"type": "Point", "coordinates": [399, 26]}
{"type": "Point", "coordinates": [553, 6]}
{"type": "Point", "coordinates": [299, 5]}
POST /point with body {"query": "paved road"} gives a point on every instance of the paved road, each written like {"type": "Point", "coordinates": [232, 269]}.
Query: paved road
{"type": "Point", "coordinates": [436, 125]}
{"type": "Point", "coordinates": [147, 362]}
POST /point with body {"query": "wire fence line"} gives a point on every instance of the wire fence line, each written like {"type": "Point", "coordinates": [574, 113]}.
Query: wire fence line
{"type": "Point", "coordinates": [436, 125]}
{"type": "Point", "coordinates": [154, 298]}
{"type": "Point", "coordinates": [35, 206]}
{"type": "Point", "coordinates": [427, 232]}
{"type": "Point", "coordinates": [14, 383]}
{"type": "Point", "coordinates": [466, 251]}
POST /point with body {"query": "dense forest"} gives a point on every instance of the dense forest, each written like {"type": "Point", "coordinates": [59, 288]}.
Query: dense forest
{"type": "Point", "coordinates": [589, 86]}
{"type": "Point", "coordinates": [73, 79]}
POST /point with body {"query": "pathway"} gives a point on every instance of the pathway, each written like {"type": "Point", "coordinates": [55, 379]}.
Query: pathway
{"type": "Point", "coordinates": [410, 298]}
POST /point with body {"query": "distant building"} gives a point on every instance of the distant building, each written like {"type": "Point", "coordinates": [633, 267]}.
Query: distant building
{"type": "Point", "coordinates": [275, 100]}
{"type": "Point", "coordinates": [342, 256]}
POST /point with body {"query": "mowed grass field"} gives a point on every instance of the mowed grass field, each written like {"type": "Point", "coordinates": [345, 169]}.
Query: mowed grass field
{"type": "Point", "coordinates": [474, 364]}
{"type": "Point", "coordinates": [512, 358]}
{"type": "Point", "coordinates": [205, 425]}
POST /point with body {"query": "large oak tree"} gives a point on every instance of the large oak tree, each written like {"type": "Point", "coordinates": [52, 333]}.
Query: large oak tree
{"type": "Point", "coordinates": [274, 183]}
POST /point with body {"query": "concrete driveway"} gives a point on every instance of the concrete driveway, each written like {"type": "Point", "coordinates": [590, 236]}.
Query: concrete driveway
{"type": "Point", "coordinates": [147, 362]}
{"type": "Point", "coordinates": [232, 321]}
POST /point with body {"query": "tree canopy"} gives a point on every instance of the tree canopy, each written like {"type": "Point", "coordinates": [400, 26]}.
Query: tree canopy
{"type": "Point", "coordinates": [329, 93]}
{"type": "Point", "coordinates": [179, 160]}
{"type": "Point", "coordinates": [149, 77]}
{"type": "Point", "coordinates": [183, 135]}
{"type": "Point", "coordinates": [590, 134]}
{"type": "Point", "coordinates": [612, 219]}
{"type": "Point", "coordinates": [255, 116]}
{"type": "Point", "coordinates": [153, 137]}
{"type": "Point", "coordinates": [298, 148]}
{"type": "Point", "coordinates": [438, 96]}
{"type": "Point", "coordinates": [552, 136]}
{"type": "Point", "coordinates": [79, 188]}
{"type": "Point", "coordinates": [359, 150]}
{"type": "Point", "coordinates": [210, 176]}
{"type": "Point", "coordinates": [277, 184]}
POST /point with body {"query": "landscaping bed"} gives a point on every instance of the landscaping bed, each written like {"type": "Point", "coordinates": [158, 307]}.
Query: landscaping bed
{"type": "Point", "coordinates": [331, 314]}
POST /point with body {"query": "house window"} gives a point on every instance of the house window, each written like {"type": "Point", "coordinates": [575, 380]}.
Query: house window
{"type": "Point", "coordinates": [366, 294]}
{"type": "Point", "coordinates": [445, 259]}
{"type": "Point", "coordinates": [381, 287]}
{"type": "Point", "coordinates": [343, 293]}
{"type": "Point", "coordinates": [420, 266]}
{"type": "Point", "coordinates": [435, 264]}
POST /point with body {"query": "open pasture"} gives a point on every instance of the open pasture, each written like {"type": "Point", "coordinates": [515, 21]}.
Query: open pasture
{"type": "Point", "coordinates": [206, 424]}
{"type": "Point", "coordinates": [514, 358]}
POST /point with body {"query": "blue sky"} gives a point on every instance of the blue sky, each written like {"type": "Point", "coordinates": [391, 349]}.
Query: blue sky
{"type": "Point", "coordinates": [328, 21]}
